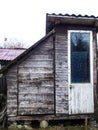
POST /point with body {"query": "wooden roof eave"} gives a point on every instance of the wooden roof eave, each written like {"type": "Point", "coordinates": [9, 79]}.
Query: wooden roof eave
{"type": "Point", "coordinates": [53, 20]}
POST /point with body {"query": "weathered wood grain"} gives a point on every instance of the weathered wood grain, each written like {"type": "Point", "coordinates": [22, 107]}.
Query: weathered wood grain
{"type": "Point", "coordinates": [38, 85]}
{"type": "Point", "coordinates": [12, 91]}
{"type": "Point", "coordinates": [36, 81]}
{"type": "Point", "coordinates": [61, 77]}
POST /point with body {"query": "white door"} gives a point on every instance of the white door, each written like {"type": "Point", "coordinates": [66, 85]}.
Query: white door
{"type": "Point", "coordinates": [80, 72]}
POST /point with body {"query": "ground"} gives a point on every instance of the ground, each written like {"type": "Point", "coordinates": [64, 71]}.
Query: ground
{"type": "Point", "coordinates": [61, 128]}
{"type": "Point", "coordinates": [57, 128]}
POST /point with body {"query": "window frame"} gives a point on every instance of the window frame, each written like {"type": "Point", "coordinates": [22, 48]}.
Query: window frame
{"type": "Point", "coordinates": [69, 55]}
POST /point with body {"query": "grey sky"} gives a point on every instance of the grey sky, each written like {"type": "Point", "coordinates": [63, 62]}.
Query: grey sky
{"type": "Point", "coordinates": [25, 19]}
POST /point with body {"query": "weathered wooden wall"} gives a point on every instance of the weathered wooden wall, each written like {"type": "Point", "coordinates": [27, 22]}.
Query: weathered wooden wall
{"type": "Point", "coordinates": [95, 66]}
{"type": "Point", "coordinates": [61, 71]}
{"type": "Point", "coordinates": [38, 84]}
{"type": "Point", "coordinates": [12, 91]}
{"type": "Point", "coordinates": [31, 83]}
{"type": "Point", "coordinates": [36, 81]}
{"type": "Point", "coordinates": [3, 87]}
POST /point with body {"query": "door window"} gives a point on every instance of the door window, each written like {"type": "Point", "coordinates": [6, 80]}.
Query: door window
{"type": "Point", "coordinates": [80, 57]}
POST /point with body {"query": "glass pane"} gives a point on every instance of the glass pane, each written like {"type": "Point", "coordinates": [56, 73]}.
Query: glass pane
{"type": "Point", "coordinates": [80, 57]}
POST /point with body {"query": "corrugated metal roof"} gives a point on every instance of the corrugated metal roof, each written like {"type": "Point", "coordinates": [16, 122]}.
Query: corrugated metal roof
{"type": "Point", "coordinates": [80, 20]}
{"type": "Point", "coordinates": [73, 15]}
{"type": "Point", "coordinates": [10, 54]}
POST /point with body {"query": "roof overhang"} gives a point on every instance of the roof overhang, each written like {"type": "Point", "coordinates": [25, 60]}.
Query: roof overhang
{"type": "Point", "coordinates": [53, 20]}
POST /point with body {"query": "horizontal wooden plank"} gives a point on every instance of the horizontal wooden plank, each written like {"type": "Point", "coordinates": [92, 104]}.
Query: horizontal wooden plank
{"type": "Point", "coordinates": [37, 81]}
{"type": "Point", "coordinates": [61, 55]}
{"type": "Point", "coordinates": [35, 111]}
{"type": "Point", "coordinates": [47, 83]}
{"type": "Point", "coordinates": [48, 52]}
{"type": "Point", "coordinates": [14, 75]}
{"type": "Point", "coordinates": [40, 57]}
{"type": "Point", "coordinates": [62, 83]}
{"type": "Point", "coordinates": [11, 80]}
{"type": "Point", "coordinates": [46, 73]}
{"type": "Point", "coordinates": [35, 69]}
{"type": "Point", "coordinates": [23, 103]}
{"type": "Point", "coordinates": [45, 45]}
{"type": "Point", "coordinates": [12, 111]}
{"type": "Point", "coordinates": [61, 76]}
{"type": "Point", "coordinates": [37, 64]}
{"type": "Point", "coordinates": [61, 37]}
{"type": "Point", "coordinates": [12, 104]}
{"type": "Point", "coordinates": [30, 84]}
{"type": "Point", "coordinates": [31, 89]}
{"type": "Point", "coordinates": [39, 60]}
{"type": "Point", "coordinates": [37, 101]}
{"type": "Point", "coordinates": [61, 44]}
{"type": "Point", "coordinates": [34, 77]}
{"type": "Point", "coordinates": [61, 65]}
{"type": "Point", "coordinates": [13, 69]}
{"type": "Point", "coordinates": [11, 97]}
{"type": "Point", "coordinates": [59, 70]}
{"type": "Point", "coordinates": [35, 105]}
{"type": "Point", "coordinates": [46, 48]}
{"type": "Point", "coordinates": [36, 98]}
{"type": "Point", "coordinates": [48, 44]}
{"type": "Point", "coordinates": [12, 93]}
{"type": "Point", "coordinates": [12, 83]}
{"type": "Point", "coordinates": [12, 86]}
{"type": "Point", "coordinates": [39, 95]}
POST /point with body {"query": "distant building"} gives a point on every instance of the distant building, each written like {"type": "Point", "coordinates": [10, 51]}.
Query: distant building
{"type": "Point", "coordinates": [8, 54]}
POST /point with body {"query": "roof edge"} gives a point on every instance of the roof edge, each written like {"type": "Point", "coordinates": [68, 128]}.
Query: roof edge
{"type": "Point", "coordinates": [26, 52]}
{"type": "Point", "coordinates": [73, 16]}
{"type": "Point", "coordinates": [53, 20]}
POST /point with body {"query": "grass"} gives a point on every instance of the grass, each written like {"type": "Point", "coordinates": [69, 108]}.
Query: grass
{"type": "Point", "coordinates": [62, 128]}
{"type": "Point", "coordinates": [59, 128]}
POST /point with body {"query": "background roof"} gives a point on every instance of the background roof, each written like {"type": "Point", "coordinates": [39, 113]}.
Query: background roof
{"type": "Point", "coordinates": [10, 54]}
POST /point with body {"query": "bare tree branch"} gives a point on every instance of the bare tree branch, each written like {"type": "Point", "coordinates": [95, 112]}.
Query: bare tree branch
{"type": "Point", "coordinates": [12, 43]}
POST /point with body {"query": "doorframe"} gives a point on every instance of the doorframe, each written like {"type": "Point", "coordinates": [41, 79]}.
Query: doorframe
{"type": "Point", "coordinates": [69, 62]}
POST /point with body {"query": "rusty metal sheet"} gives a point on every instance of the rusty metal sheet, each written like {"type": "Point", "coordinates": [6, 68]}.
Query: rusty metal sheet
{"type": "Point", "coordinates": [10, 54]}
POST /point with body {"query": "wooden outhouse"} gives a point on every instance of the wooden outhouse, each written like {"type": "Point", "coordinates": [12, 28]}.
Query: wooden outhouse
{"type": "Point", "coordinates": [56, 78]}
